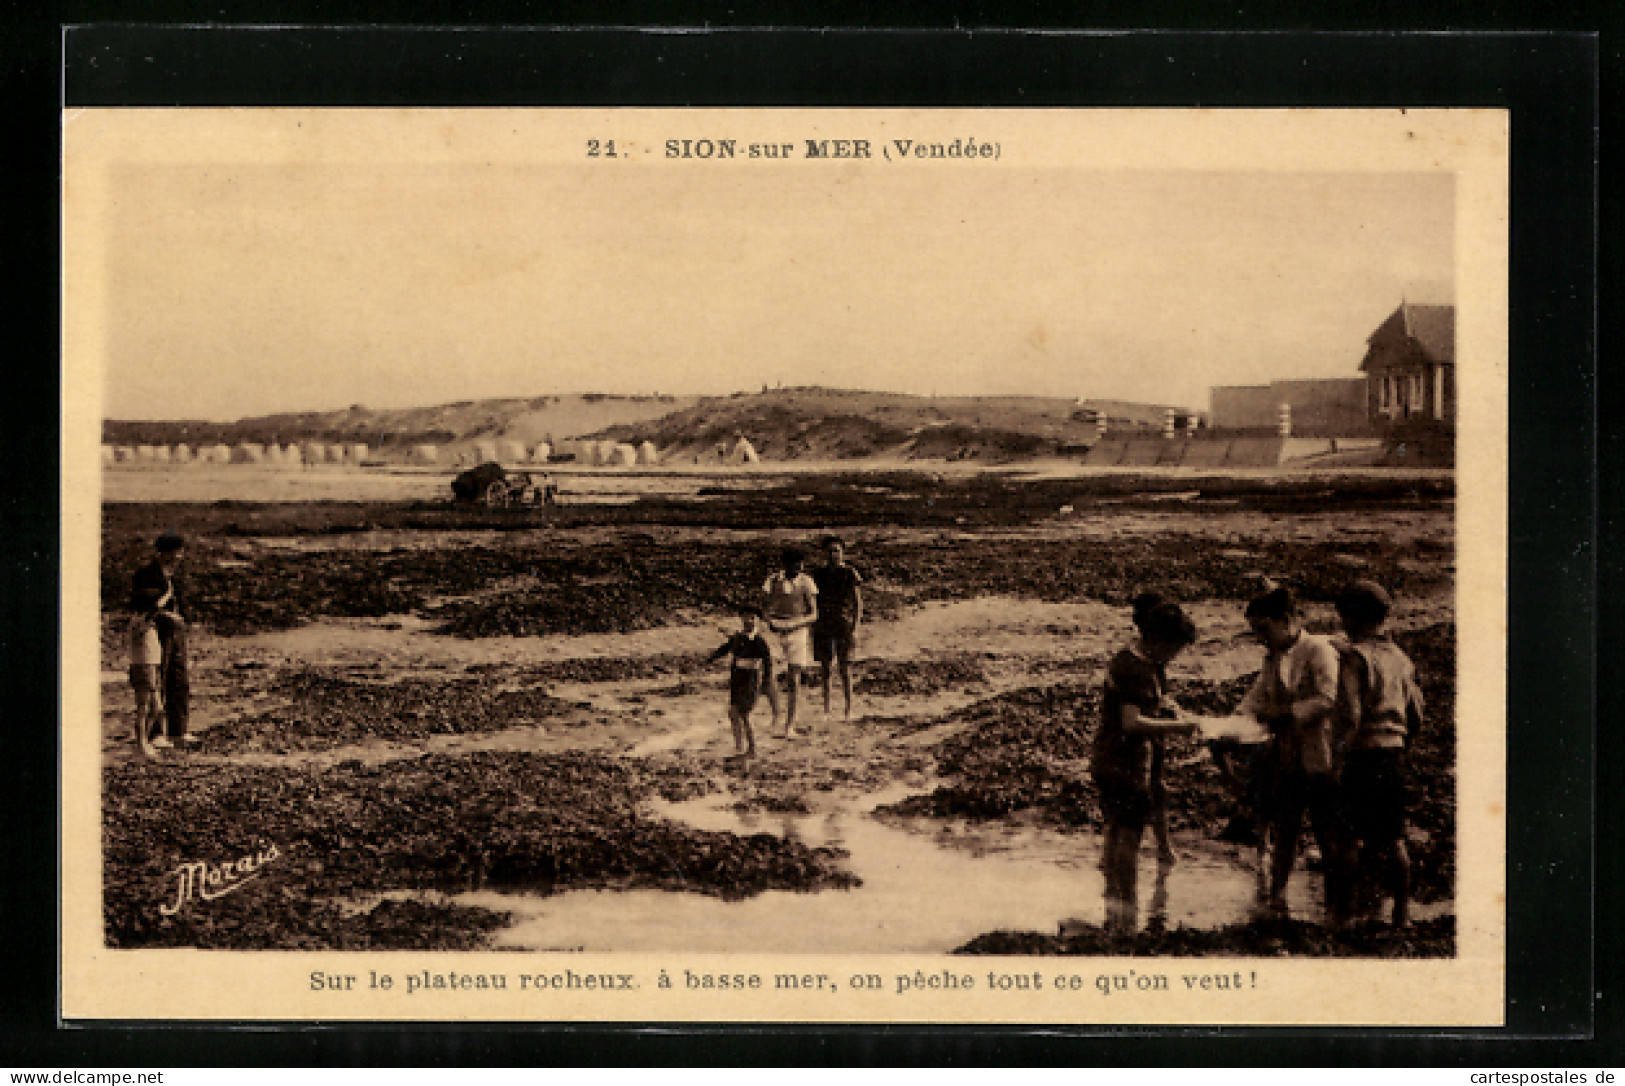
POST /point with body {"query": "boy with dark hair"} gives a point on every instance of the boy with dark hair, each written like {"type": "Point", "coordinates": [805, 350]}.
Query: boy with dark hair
{"type": "Point", "coordinates": [840, 613]}
{"type": "Point", "coordinates": [1127, 758]}
{"type": "Point", "coordinates": [752, 663]}
{"type": "Point", "coordinates": [153, 590]}
{"type": "Point", "coordinates": [1379, 712]}
{"type": "Point", "coordinates": [1295, 697]}
{"type": "Point", "coordinates": [792, 608]}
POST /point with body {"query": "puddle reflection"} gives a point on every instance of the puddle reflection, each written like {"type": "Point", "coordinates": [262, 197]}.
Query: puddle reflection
{"type": "Point", "coordinates": [921, 892]}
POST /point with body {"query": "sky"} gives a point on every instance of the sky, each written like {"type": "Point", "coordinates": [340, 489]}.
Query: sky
{"type": "Point", "coordinates": [236, 289]}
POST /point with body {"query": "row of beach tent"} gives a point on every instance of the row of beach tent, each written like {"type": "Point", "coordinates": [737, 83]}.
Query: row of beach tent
{"type": "Point", "coordinates": [590, 453]}
{"type": "Point", "coordinates": [618, 454]}
{"type": "Point", "coordinates": [246, 452]}
{"type": "Point", "coordinates": [605, 453]}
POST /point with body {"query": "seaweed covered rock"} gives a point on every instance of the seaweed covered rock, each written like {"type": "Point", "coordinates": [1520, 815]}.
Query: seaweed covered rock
{"type": "Point", "coordinates": [542, 823]}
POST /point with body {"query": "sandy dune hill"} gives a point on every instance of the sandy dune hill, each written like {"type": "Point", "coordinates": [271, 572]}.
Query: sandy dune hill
{"type": "Point", "coordinates": [529, 419]}
{"type": "Point", "coordinates": [782, 424]}
{"type": "Point", "coordinates": [826, 424]}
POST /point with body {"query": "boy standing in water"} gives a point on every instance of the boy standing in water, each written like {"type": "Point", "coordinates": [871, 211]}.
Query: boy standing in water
{"type": "Point", "coordinates": [840, 612]}
{"type": "Point", "coordinates": [1295, 696]}
{"type": "Point", "coordinates": [1380, 712]}
{"type": "Point", "coordinates": [1127, 761]}
{"type": "Point", "coordinates": [1144, 604]}
{"type": "Point", "coordinates": [791, 610]}
{"type": "Point", "coordinates": [752, 660]}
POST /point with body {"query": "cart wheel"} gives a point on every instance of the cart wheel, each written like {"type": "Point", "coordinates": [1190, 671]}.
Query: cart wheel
{"type": "Point", "coordinates": [496, 496]}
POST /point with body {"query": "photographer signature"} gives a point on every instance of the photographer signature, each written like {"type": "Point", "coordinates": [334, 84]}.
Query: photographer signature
{"type": "Point", "coordinates": [201, 880]}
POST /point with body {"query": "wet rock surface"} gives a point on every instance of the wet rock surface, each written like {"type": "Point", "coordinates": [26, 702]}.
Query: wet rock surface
{"type": "Point", "coordinates": [1027, 750]}
{"type": "Point", "coordinates": [989, 723]}
{"type": "Point", "coordinates": [532, 822]}
{"type": "Point", "coordinates": [326, 710]}
{"type": "Point", "coordinates": [1426, 939]}
{"type": "Point", "coordinates": [539, 577]}
{"type": "Point", "coordinates": [895, 678]}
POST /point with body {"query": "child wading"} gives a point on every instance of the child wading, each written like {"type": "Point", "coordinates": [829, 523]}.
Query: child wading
{"type": "Point", "coordinates": [1380, 712]}
{"type": "Point", "coordinates": [792, 608]}
{"type": "Point", "coordinates": [1135, 717]}
{"type": "Point", "coordinates": [752, 663]}
{"type": "Point", "coordinates": [1295, 696]}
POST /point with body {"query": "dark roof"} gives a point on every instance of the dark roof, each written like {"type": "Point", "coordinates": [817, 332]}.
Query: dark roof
{"type": "Point", "coordinates": [1430, 327]}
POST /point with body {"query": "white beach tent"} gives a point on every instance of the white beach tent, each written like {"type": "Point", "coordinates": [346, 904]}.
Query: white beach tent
{"type": "Point", "coordinates": [160, 453]}
{"type": "Point", "coordinates": [542, 453]}
{"type": "Point", "coordinates": [605, 454]}
{"type": "Point", "coordinates": [248, 452]}
{"type": "Point", "coordinates": [292, 456]}
{"type": "Point", "coordinates": [124, 454]}
{"type": "Point", "coordinates": [183, 454]}
{"type": "Point", "coordinates": [744, 453]}
{"type": "Point", "coordinates": [220, 454]}
{"type": "Point", "coordinates": [356, 453]}
{"type": "Point", "coordinates": [625, 456]}
{"type": "Point", "coordinates": [107, 454]}
{"type": "Point", "coordinates": [511, 452]}
{"type": "Point", "coordinates": [335, 453]}
{"type": "Point", "coordinates": [425, 454]}
{"type": "Point", "coordinates": [648, 454]}
{"type": "Point", "coordinates": [315, 453]}
{"type": "Point", "coordinates": [273, 453]}
{"type": "Point", "coordinates": [485, 451]}
{"type": "Point", "coordinates": [146, 452]}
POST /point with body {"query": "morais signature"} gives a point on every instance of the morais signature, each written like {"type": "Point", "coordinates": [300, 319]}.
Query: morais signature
{"type": "Point", "coordinates": [206, 881]}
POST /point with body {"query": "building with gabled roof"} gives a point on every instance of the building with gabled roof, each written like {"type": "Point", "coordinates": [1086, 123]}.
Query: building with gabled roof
{"type": "Point", "coordinates": [1410, 369]}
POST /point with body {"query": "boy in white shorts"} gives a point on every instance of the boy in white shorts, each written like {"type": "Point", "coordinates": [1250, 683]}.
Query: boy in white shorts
{"type": "Point", "coordinates": [791, 609]}
{"type": "Point", "coordinates": [146, 654]}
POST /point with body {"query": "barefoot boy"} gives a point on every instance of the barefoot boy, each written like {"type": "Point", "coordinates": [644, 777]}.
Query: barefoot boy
{"type": "Point", "coordinates": [146, 654]}
{"type": "Point", "coordinates": [840, 613]}
{"type": "Point", "coordinates": [1127, 762]}
{"type": "Point", "coordinates": [1295, 696]}
{"type": "Point", "coordinates": [752, 662]}
{"type": "Point", "coordinates": [792, 608]}
{"type": "Point", "coordinates": [1380, 711]}
{"type": "Point", "coordinates": [154, 590]}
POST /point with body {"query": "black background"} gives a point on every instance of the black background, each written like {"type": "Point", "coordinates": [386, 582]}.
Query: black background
{"type": "Point", "coordinates": [1561, 1009]}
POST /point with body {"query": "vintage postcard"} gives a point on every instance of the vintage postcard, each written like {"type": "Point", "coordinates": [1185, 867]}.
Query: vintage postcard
{"type": "Point", "coordinates": [954, 566]}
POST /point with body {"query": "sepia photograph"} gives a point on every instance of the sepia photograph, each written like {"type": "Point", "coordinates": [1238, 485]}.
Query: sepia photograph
{"type": "Point", "coordinates": [747, 564]}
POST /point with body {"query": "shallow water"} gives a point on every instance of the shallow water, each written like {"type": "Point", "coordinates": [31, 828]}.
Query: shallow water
{"type": "Point", "coordinates": [921, 892]}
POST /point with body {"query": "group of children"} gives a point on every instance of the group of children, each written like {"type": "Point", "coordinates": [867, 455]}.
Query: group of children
{"type": "Point", "coordinates": [1339, 715]}
{"type": "Point", "coordinates": [810, 619]}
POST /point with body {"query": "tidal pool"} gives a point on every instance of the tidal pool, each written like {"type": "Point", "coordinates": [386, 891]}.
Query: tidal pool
{"type": "Point", "coordinates": [927, 887]}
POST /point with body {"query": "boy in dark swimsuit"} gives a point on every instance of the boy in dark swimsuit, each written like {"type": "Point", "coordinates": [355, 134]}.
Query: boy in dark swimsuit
{"type": "Point", "coordinates": [751, 666]}
{"type": "Point", "coordinates": [840, 612]}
